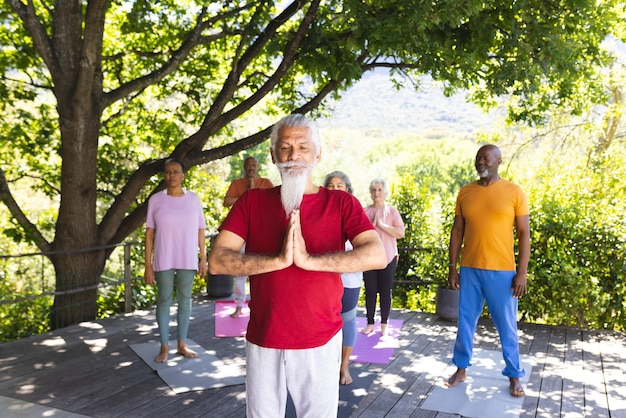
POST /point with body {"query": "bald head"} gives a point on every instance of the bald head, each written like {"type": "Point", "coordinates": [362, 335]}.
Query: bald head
{"type": "Point", "coordinates": [490, 148]}
{"type": "Point", "coordinates": [488, 159]}
{"type": "Point", "coordinates": [250, 167]}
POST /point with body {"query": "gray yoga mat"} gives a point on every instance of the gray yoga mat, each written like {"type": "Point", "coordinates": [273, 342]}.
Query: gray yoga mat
{"type": "Point", "coordinates": [184, 374]}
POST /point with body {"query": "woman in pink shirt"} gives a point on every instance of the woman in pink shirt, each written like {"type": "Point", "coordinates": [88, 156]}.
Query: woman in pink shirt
{"type": "Point", "coordinates": [175, 234]}
{"type": "Point", "coordinates": [390, 227]}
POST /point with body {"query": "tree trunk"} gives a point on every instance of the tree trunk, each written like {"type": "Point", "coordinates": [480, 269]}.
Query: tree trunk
{"type": "Point", "coordinates": [78, 266]}
{"type": "Point", "coordinates": [77, 278]}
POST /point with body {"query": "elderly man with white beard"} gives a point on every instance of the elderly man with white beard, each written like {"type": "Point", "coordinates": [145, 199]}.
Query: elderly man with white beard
{"type": "Point", "coordinates": [295, 236]}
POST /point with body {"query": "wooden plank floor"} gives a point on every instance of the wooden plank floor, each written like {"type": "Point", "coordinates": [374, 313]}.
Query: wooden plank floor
{"type": "Point", "coordinates": [89, 369]}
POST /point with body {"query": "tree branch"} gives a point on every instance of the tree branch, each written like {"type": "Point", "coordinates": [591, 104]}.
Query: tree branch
{"type": "Point", "coordinates": [193, 39]}
{"type": "Point", "coordinates": [116, 213]}
{"type": "Point", "coordinates": [289, 55]}
{"type": "Point", "coordinates": [31, 230]}
{"type": "Point", "coordinates": [42, 42]}
{"type": "Point", "coordinates": [91, 53]}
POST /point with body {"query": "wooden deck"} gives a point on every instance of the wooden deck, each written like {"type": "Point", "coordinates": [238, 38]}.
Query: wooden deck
{"type": "Point", "coordinates": [89, 369]}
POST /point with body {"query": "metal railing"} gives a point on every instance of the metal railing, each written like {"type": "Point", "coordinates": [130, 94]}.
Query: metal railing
{"type": "Point", "coordinates": [127, 276]}
{"type": "Point", "coordinates": [103, 283]}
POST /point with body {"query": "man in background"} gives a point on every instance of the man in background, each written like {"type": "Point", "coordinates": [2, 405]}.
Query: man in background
{"type": "Point", "coordinates": [486, 213]}
{"type": "Point", "coordinates": [237, 188]}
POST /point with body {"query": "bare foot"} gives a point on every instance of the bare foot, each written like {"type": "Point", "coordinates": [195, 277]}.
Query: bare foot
{"type": "Point", "coordinates": [186, 352]}
{"type": "Point", "coordinates": [237, 312]}
{"type": "Point", "coordinates": [344, 376]}
{"type": "Point", "coordinates": [458, 377]}
{"type": "Point", "coordinates": [368, 329]}
{"type": "Point", "coordinates": [162, 357]}
{"type": "Point", "coordinates": [344, 370]}
{"type": "Point", "coordinates": [383, 330]}
{"type": "Point", "coordinates": [515, 387]}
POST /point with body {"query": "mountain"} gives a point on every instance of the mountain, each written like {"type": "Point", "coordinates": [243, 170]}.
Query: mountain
{"type": "Point", "coordinates": [374, 104]}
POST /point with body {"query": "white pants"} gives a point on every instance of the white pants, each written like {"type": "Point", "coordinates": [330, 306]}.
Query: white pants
{"type": "Point", "coordinates": [240, 285]}
{"type": "Point", "coordinates": [311, 376]}
{"type": "Point", "coordinates": [240, 291]}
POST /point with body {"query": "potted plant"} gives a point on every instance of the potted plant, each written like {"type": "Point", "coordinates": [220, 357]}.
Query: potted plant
{"type": "Point", "coordinates": [447, 304]}
{"type": "Point", "coordinates": [219, 285]}
{"type": "Point", "coordinates": [447, 298]}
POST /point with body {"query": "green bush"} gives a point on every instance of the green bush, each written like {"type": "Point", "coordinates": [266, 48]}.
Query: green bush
{"type": "Point", "coordinates": [25, 318]}
{"type": "Point", "coordinates": [577, 264]}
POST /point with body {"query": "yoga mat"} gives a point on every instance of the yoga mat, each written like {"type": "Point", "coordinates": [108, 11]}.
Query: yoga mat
{"type": "Point", "coordinates": [186, 375]}
{"type": "Point", "coordinates": [485, 393]}
{"type": "Point", "coordinates": [349, 395]}
{"type": "Point", "coordinates": [374, 348]}
{"type": "Point", "coordinates": [225, 326]}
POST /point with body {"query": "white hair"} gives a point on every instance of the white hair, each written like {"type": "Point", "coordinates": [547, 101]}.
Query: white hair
{"type": "Point", "coordinates": [383, 183]}
{"type": "Point", "coordinates": [296, 120]}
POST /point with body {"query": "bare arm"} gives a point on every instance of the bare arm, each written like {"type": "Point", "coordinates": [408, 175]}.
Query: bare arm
{"type": "Point", "coordinates": [368, 254]}
{"type": "Point", "coordinates": [522, 227]}
{"type": "Point", "coordinates": [202, 265]}
{"type": "Point", "coordinates": [456, 240]}
{"type": "Point", "coordinates": [225, 257]}
{"type": "Point", "coordinates": [148, 274]}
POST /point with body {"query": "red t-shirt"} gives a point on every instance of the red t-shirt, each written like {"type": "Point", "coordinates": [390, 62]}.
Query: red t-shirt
{"type": "Point", "coordinates": [293, 308]}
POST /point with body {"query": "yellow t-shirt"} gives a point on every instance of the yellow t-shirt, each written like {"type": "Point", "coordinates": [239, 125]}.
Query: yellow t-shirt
{"type": "Point", "coordinates": [489, 214]}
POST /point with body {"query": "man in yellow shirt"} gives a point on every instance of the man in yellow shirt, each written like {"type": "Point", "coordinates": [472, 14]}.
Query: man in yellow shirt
{"type": "Point", "coordinates": [486, 213]}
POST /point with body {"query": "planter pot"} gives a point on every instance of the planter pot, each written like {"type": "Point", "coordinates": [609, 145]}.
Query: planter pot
{"type": "Point", "coordinates": [220, 285]}
{"type": "Point", "coordinates": [447, 306]}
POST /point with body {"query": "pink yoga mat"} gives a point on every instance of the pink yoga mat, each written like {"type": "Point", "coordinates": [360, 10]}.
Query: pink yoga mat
{"type": "Point", "coordinates": [374, 348]}
{"type": "Point", "coordinates": [225, 326]}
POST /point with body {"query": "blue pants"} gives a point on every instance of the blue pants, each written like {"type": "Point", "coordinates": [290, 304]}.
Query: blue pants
{"type": "Point", "coordinates": [478, 286]}
{"type": "Point", "coordinates": [348, 314]}
{"type": "Point", "coordinates": [165, 285]}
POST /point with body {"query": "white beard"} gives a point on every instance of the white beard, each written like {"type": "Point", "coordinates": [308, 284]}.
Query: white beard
{"type": "Point", "coordinates": [294, 177]}
{"type": "Point", "coordinates": [483, 174]}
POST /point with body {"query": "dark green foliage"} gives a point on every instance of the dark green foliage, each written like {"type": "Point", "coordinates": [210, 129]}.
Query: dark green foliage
{"type": "Point", "coordinates": [413, 202]}
{"type": "Point", "coordinates": [25, 318]}
{"type": "Point", "coordinates": [578, 261]}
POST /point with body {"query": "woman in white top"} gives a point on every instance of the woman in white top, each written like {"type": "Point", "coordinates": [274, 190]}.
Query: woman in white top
{"type": "Point", "coordinates": [351, 289]}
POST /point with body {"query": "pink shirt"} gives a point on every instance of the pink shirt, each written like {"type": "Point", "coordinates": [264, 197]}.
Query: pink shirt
{"type": "Point", "coordinates": [390, 216]}
{"type": "Point", "coordinates": [176, 221]}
